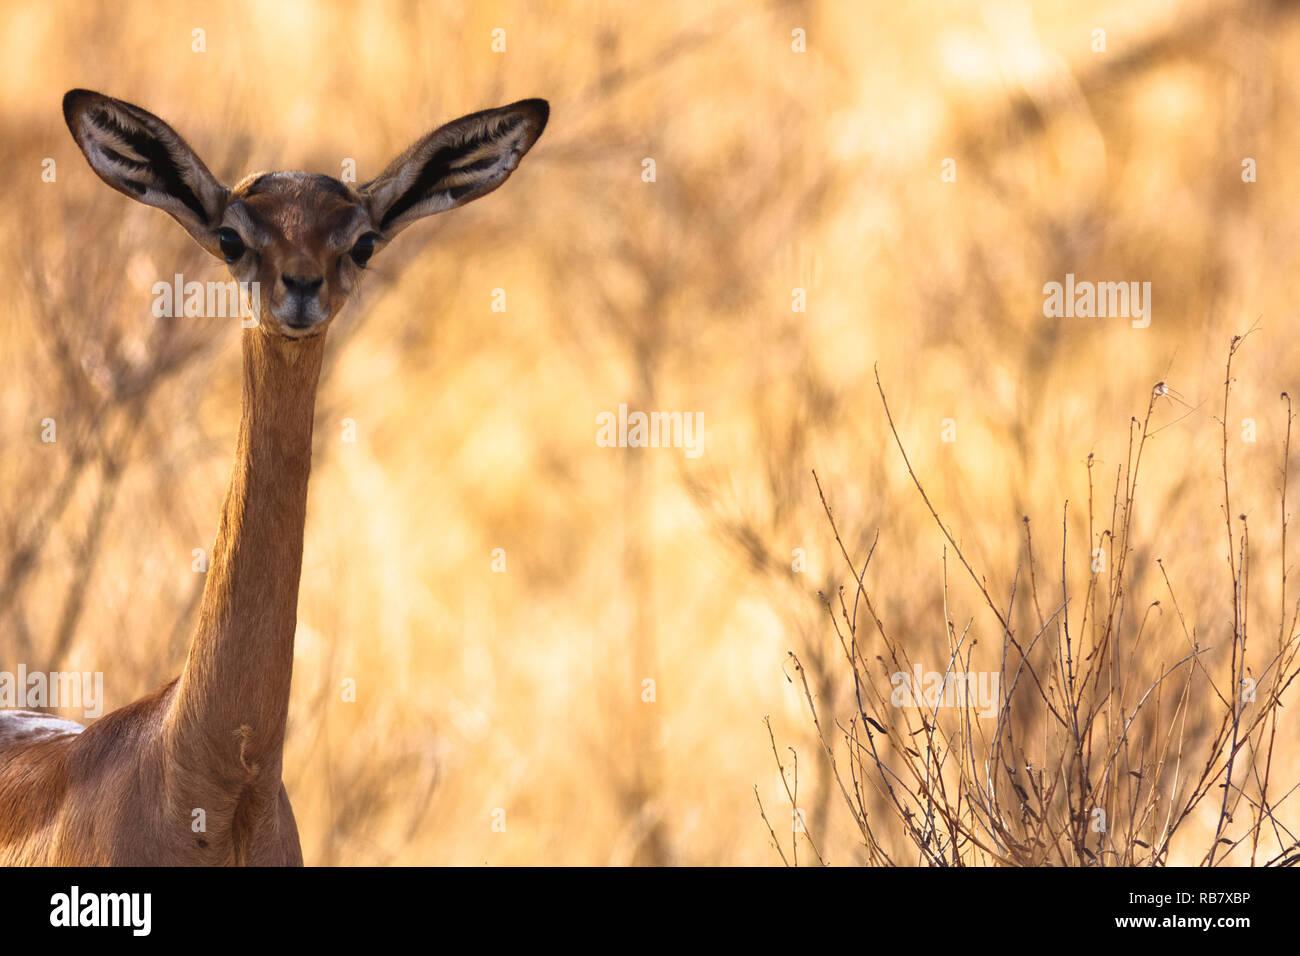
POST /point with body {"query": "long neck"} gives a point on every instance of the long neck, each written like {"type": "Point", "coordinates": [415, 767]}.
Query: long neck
{"type": "Point", "coordinates": [228, 714]}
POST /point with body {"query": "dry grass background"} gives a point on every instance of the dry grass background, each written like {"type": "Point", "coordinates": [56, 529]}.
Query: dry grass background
{"type": "Point", "coordinates": [775, 170]}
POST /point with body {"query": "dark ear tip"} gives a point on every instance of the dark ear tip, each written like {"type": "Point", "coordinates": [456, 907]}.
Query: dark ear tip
{"type": "Point", "coordinates": [72, 99]}
{"type": "Point", "coordinates": [540, 109]}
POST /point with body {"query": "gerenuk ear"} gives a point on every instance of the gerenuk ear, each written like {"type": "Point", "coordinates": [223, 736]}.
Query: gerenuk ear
{"type": "Point", "coordinates": [142, 157]}
{"type": "Point", "coordinates": [456, 163]}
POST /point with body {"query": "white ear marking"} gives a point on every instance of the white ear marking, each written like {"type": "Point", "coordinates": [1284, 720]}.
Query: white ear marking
{"type": "Point", "coordinates": [455, 164]}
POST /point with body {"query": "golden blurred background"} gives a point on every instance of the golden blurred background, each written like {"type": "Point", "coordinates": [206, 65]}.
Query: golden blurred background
{"type": "Point", "coordinates": [795, 146]}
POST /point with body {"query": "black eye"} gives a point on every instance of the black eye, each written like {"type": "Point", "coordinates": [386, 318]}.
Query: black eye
{"type": "Point", "coordinates": [232, 247]}
{"type": "Point", "coordinates": [364, 248]}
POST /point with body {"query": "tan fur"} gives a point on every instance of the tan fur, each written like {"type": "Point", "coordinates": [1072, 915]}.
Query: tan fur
{"type": "Point", "coordinates": [126, 790]}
